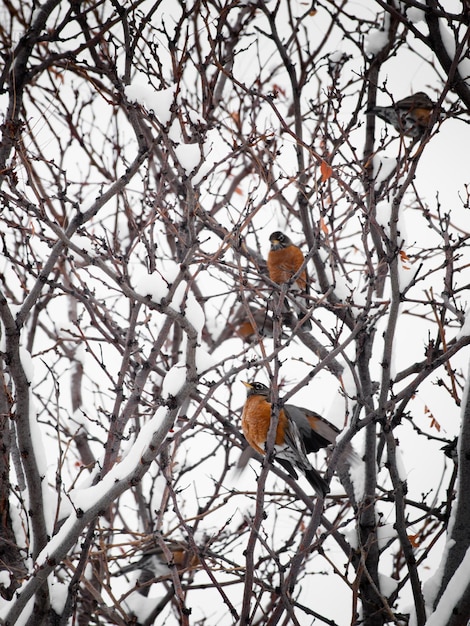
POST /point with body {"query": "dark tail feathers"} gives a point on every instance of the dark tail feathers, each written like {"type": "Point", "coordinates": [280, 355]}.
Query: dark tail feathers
{"type": "Point", "coordinates": [317, 482]}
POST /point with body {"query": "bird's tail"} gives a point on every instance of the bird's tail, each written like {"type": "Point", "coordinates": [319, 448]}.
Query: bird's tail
{"type": "Point", "coordinates": [317, 482]}
{"type": "Point", "coordinates": [300, 307]}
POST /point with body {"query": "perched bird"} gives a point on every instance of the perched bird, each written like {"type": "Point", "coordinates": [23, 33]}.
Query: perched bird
{"type": "Point", "coordinates": [241, 325]}
{"type": "Point", "coordinates": [410, 116]}
{"type": "Point", "coordinates": [299, 432]}
{"type": "Point", "coordinates": [284, 261]}
{"type": "Point", "coordinates": [154, 564]}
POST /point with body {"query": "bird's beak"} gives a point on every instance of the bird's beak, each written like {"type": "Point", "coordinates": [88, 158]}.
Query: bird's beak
{"type": "Point", "coordinates": [247, 384]}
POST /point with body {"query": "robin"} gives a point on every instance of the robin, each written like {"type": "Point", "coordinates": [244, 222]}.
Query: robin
{"type": "Point", "coordinates": [241, 325]}
{"type": "Point", "coordinates": [153, 564]}
{"type": "Point", "coordinates": [284, 261]}
{"type": "Point", "coordinates": [299, 432]}
{"type": "Point", "coordinates": [410, 116]}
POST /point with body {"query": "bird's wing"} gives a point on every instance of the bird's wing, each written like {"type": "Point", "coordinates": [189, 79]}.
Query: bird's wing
{"type": "Point", "coordinates": [295, 444]}
{"type": "Point", "coordinates": [295, 454]}
{"type": "Point", "coordinates": [315, 430]}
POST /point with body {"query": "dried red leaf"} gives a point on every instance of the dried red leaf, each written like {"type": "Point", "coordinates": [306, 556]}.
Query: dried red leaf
{"type": "Point", "coordinates": [326, 171]}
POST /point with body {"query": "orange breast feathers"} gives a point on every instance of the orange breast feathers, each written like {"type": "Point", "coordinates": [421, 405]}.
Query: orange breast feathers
{"type": "Point", "coordinates": [256, 419]}
{"type": "Point", "coordinates": [422, 116]}
{"type": "Point", "coordinates": [284, 263]}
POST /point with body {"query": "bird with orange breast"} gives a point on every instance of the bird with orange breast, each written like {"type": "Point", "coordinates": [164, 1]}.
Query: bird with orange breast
{"type": "Point", "coordinates": [410, 116]}
{"type": "Point", "coordinates": [284, 262]}
{"type": "Point", "coordinates": [299, 431]}
{"type": "Point", "coordinates": [154, 565]}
